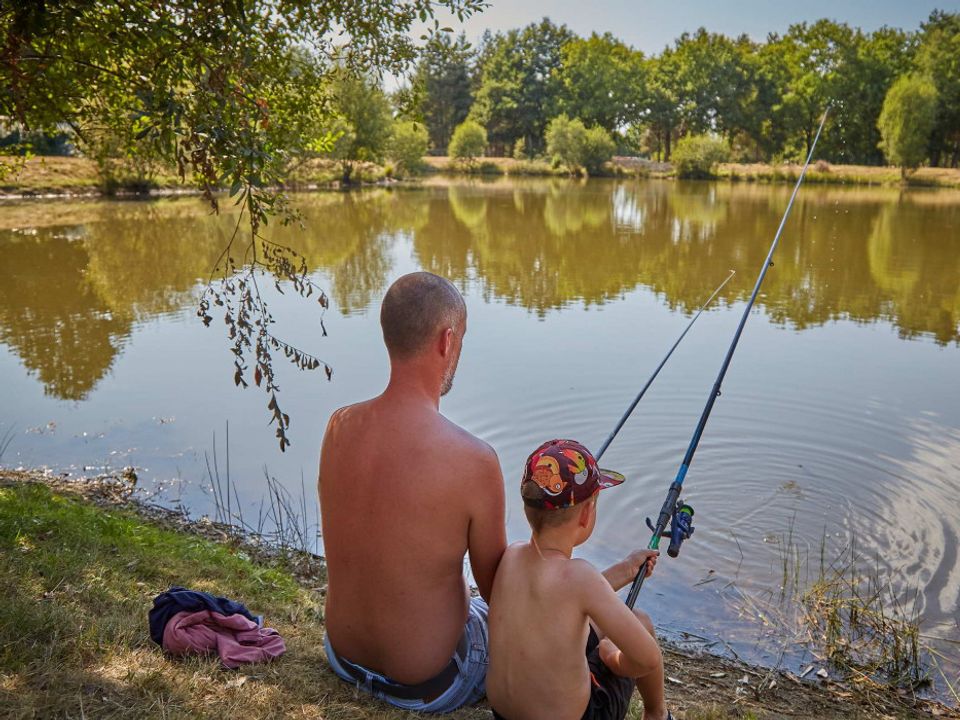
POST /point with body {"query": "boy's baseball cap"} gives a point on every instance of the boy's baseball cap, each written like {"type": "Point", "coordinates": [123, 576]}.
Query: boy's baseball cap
{"type": "Point", "coordinates": [562, 473]}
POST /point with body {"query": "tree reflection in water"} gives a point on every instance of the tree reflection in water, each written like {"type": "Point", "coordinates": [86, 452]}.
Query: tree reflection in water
{"type": "Point", "coordinates": [73, 290]}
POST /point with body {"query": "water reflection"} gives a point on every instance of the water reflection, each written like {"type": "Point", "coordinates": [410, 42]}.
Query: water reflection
{"type": "Point", "coordinates": [74, 289]}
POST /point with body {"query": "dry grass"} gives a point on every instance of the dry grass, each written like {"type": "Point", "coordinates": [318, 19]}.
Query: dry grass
{"type": "Point", "coordinates": [79, 176]}
{"type": "Point", "coordinates": [823, 172]}
{"type": "Point", "coordinates": [67, 175]}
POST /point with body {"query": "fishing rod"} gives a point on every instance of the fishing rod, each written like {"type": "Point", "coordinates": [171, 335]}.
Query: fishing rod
{"type": "Point", "coordinates": [674, 511]}
{"type": "Point", "coordinates": [629, 412]}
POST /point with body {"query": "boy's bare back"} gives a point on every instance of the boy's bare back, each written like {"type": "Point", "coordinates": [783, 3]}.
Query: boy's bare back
{"type": "Point", "coordinates": [546, 675]}
{"type": "Point", "coordinates": [562, 643]}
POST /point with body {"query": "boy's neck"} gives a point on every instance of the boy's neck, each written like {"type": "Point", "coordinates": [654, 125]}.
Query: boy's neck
{"type": "Point", "coordinates": [554, 542]}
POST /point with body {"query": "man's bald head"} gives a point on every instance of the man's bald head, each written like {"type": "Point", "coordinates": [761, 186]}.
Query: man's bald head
{"type": "Point", "coordinates": [416, 307]}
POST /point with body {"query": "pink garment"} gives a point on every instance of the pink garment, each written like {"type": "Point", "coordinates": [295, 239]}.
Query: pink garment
{"type": "Point", "coordinates": [235, 638]}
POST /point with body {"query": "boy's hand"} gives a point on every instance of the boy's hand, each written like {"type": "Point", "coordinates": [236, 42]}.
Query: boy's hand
{"type": "Point", "coordinates": [626, 570]}
{"type": "Point", "coordinates": [639, 557]}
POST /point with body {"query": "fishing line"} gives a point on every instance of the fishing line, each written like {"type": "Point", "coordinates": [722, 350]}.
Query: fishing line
{"type": "Point", "coordinates": [674, 511]}
{"type": "Point", "coordinates": [623, 419]}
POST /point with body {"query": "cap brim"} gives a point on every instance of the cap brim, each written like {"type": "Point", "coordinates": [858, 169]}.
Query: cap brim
{"type": "Point", "coordinates": [609, 479]}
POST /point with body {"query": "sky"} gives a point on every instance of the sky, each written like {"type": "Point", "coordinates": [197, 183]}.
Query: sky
{"type": "Point", "coordinates": [649, 26]}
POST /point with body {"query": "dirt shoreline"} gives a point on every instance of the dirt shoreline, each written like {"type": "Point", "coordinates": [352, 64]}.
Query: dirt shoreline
{"type": "Point", "coordinates": [700, 685]}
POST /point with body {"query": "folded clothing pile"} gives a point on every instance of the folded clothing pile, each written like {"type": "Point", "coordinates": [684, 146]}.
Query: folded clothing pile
{"type": "Point", "coordinates": [191, 622]}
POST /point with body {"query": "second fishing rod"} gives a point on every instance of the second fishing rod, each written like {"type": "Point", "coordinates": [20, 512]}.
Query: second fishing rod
{"type": "Point", "coordinates": [675, 512]}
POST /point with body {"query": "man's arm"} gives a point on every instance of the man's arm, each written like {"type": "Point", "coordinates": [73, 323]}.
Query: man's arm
{"type": "Point", "coordinates": [487, 535]}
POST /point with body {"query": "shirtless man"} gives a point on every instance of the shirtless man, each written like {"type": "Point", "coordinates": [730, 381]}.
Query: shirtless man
{"type": "Point", "coordinates": [404, 494]}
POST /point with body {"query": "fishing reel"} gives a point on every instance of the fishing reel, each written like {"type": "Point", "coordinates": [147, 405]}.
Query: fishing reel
{"type": "Point", "coordinates": [681, 527]}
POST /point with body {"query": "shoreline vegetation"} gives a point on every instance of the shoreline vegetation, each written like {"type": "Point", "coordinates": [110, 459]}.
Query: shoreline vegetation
{"type": "Point", "coordinates": [83, 558]}
{"type": "Point", "coordinates": [54, 176]}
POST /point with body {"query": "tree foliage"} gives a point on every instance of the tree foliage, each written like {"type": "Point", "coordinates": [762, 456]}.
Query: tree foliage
{"type": "Point", "coordinates": [519, 86]}
{"type": "Point", "coordinates": [697, 156]}
{"type": "Point", "coordinates": [362, 122]}
{"type": "Point", "coordinates": [442, 81]}
{"type": "Point", "coordinates": [468, 142]}
{"type": "Point", "coordinates": [907, 119]}
{"type": "Point", "coordinates": [407, 146]}
{"type": "Point", "coordinates": [938, 57]}
{"type": "Point", "coordinates": [764, 97]}
{"type": "Point", "coordinates": [572, 145]}
{"type": "Point", "coordinates": [226, 92]}
{"type": "Point", "coordinates": [603, 81]}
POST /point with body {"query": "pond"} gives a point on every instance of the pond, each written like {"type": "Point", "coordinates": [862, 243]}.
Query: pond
{"type": "Point", "coordinates": [837, 435]}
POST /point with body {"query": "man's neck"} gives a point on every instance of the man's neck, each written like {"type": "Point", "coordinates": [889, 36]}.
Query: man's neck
{"type": "Point", "coordinates": [412, 384]}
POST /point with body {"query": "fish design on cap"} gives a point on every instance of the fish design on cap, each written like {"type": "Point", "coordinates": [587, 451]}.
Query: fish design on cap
{"type": "Point", "coordinates": [546, 474]}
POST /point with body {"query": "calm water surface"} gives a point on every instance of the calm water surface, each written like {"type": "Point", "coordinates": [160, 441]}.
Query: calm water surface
{"type": "Point", "coordinates": [839, 422]}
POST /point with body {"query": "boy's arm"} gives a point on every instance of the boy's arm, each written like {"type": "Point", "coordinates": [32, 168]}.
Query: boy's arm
{"type": "Point", "coordinates": [637, 653]}
{"type": "Point", "coordinates": [622, 573]}
{"type": "Point", "coordinates": [486, 535]}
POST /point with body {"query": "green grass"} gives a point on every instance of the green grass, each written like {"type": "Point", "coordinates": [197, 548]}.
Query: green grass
{"type": "Point", "coordinates": [79, 579]}
{"type": "Point", "coordinates": [78, 582]}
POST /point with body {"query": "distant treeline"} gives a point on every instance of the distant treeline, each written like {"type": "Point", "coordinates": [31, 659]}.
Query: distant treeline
{"type": "Point", "coordinates": [764, 98]}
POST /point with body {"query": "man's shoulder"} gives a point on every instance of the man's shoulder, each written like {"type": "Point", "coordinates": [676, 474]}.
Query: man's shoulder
{"type": "Point", "coordinates": [347, 414]}
{"type": "Point", "coordinates": [465, 442]}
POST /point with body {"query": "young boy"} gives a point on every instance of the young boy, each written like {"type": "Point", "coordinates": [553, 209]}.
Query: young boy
{"type": "Point", "coordinates": [546, 608]}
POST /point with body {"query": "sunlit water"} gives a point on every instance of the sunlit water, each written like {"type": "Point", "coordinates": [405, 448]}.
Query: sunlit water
{"type": "Point", "coordinates": [839, 420]}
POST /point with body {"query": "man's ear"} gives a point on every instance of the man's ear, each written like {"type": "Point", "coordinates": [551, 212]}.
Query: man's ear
{"type": "Point", "coordinates": [446, 341]}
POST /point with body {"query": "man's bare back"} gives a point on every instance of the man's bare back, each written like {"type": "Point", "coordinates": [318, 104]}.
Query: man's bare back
{"type": "Point", "coordinates": [404, 494]}
{"type": "Point", "coordinates": [400, 488]}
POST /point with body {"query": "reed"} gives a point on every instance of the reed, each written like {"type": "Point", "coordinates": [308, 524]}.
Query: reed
{"type": "Point", "coordinates": [852, 617]}
{"type": "Point", "coordinates": [6, 440]}
{"type": "Point", "coordinates": [283, 521]}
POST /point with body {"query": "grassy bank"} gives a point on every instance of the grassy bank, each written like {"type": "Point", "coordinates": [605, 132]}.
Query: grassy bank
{"type": "Point", "coordinates": [826, 173]}
{"type": "Point", "coordinates": [72, 176]}
{"type": "Point", "coordinates": [81, 565]}
{"type": "Point", "coordinates": [80, 176]}
{"type": "Point", "coordinates": [821, 172]}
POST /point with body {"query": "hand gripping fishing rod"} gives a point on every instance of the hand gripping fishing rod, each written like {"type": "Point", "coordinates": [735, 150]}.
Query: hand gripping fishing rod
{"type": "Point", "coordinates": [674, 510]}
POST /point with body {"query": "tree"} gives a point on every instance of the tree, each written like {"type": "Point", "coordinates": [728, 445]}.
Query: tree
{"type": "Point", "coordinates": [602, 81]}
{"type": "Point", "coordinates": [710, 81]}
{"type": "Point", "coordinates": [227, 92]}
{"type": "Point", "coordinates": [565, 140]}
{"type": "Point", "coordinates": [662, 102]}
{"type": "Point", "coordinates": [938, 57]}
{"type": "Point", "coordinates": [571, 144]}
{"type": "Point", "coordinates": [696, 156]}
{"type": "Point", "coordinates": [364, 120]}
{"type": "Point", "coordinates": [907, 119]}
{"type": "Point", "coordinates": [442, 80]}
{"type": "Point", "coordinates": [519, 88]}
{"type": "Point", "coordinates": [468, 142]}
{"type": "Point", "coordinates": [809, 63]}
{"type": "Point", "coordinates": [875, 62]}
{"type": "Point", "coordinates": [598, 149]}
{"type": "Point", "coordinates": [407, 145]}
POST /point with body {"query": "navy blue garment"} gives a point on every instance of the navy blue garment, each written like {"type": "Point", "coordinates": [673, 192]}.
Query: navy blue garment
{"type": "Point", "coordinates": [178, 599]}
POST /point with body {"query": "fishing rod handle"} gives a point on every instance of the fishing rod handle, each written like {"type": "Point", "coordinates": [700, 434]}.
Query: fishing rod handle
{"type": "Point", "coordinates": [673, 495]}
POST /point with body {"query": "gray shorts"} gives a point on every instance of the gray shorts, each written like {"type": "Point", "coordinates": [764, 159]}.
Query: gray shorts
{"type": "Point", "coordinates": [467, 687]}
